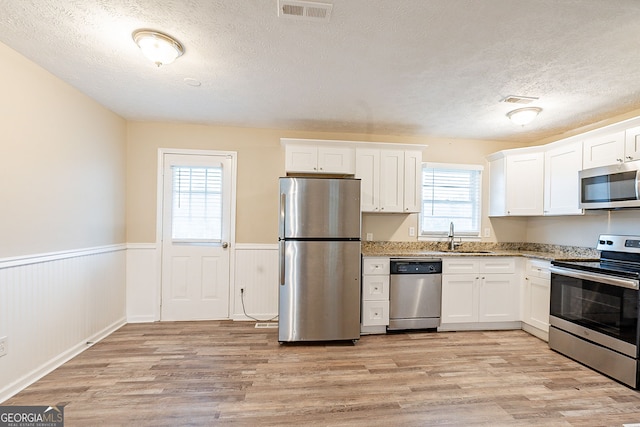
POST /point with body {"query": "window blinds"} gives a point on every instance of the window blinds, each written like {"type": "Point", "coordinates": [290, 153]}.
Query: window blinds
{"type": "Point", "coordinates": [197, 203]}
{"type": "Point", "coordinates": [451, 194]}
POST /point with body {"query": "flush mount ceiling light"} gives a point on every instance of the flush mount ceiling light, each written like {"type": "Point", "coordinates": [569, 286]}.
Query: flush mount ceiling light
{"type": "Point", "coordinates": [160, 48]}
{"type": "Point", "coordinates": [523, 116]}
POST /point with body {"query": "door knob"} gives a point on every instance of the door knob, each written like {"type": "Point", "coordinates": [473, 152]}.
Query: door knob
{"type": "Point", "coordinates": [225, 245]}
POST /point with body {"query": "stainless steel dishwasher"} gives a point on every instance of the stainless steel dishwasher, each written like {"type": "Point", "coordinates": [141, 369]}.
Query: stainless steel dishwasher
{"type": "Point", "coordinates": [415, 293]}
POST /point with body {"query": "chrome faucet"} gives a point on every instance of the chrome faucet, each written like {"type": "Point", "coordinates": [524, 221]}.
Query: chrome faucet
{"type": "Point", "coordinates": [452, 244]}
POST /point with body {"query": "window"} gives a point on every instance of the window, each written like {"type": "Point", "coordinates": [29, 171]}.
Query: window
{"type": "Point", "coordinates": [450, 193]}
{"type": "Point", "coordinates": [197, 203]}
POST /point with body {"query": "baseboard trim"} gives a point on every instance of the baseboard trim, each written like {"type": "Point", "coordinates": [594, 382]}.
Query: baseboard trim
{"type": "Point", "coordinates": [142, 319]}
{"type": "Point", "coordinates": [21, 383]}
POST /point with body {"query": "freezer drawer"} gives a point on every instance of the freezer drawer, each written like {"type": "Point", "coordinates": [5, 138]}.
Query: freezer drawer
{"type": "Point", "coordinates": [319, 298]}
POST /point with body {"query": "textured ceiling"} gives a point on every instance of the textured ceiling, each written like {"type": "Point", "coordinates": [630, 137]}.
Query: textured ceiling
{"type": "Point", "coordinates": [406, 67]}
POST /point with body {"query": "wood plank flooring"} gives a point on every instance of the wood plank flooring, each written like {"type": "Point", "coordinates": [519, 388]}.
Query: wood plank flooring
{"type": "Point", "coordinates": [229, 373]}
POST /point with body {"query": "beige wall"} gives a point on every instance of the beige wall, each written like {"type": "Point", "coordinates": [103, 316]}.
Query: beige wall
{"type": "Point", "coordinates": [260, 163]}
{"type": "Point", "coordinates": [62, 167]}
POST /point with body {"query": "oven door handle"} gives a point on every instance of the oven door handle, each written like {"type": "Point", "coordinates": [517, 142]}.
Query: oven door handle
{"type": "Point", "coordinates": [595, 277]}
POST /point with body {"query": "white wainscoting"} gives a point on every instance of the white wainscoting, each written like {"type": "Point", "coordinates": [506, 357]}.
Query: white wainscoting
{"type": "Point", "coordinates": [53, 306]}
{"type": "Point", "coordinates": [256, 270]}
{"type": "Point", "coordinates": [143, 283]}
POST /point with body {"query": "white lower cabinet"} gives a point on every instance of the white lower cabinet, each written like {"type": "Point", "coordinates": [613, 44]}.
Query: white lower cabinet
{"type": "Point", "coordinates": [479, 293]}
{"type": "Point", "coordinates": [375, 295]}
{"type": "Point", "coordinates": [536, 297]}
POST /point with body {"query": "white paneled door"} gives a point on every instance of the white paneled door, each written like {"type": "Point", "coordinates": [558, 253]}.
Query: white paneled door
{"type": "Point", "coordinates": [196, 231]}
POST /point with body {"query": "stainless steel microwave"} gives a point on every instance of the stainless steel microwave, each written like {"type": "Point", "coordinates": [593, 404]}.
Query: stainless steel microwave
{"type": "Point", "coordinates": [610, 187]}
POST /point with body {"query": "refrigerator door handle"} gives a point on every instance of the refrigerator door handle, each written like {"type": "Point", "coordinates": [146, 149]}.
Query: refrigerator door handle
{"type": "Point", "coordinates": [283, 200]}
{"type": "Point", "coordinates": [281, 251]}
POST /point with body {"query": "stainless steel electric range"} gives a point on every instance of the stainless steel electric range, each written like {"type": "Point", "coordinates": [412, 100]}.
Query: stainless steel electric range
{"type": "Point", "coordinates": [594, 309]}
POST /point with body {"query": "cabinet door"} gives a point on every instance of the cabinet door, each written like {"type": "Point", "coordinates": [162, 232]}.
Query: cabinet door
{"type": "Point", "coordinates": [498, 298]}
{"type": "Point", "coordinates": [301, 158]}
{"type": "Point", "coordinates": [459, 298]}
{"type": "Point", "coordinates": [603, 150]}
{"type": "Point", "coordinates": [561, 184]}
{"type": "Point", "coordinates": [498, 187]}
{"type": "Point", "coordinates": [525, 176]}
{"type": "Point", "coordinates": [412, 181]}
{"type": "Point", "coordinates": [632, 144]}
{"type": "Point", "coordinates": [536, 302]}
{"type": "Point", "coordinates": [368, 170]}
{"type": "Point", "coordinates": [336, 160]}
{"type": "Point", "coordinates": [391, 180]}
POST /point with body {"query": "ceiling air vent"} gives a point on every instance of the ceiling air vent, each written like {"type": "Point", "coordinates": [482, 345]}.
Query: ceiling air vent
{"type": "Point", "coordinates": [517, 99]}
{"type": "Point", "coordinates": [307, 10]}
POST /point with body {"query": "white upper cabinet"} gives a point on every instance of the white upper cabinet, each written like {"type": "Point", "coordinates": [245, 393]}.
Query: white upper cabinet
{"type": "Point", "coordinates": [412, 181]}
{"type": "Point", "coordinates": [517, 184]}
{"type": "Point", "coordinates": [632, 144]}
{"type": "Point", "coordinates": [305, 158]}
{"type": "Point", "coordinates": [368, 170]}
{"type": "Point", "coordinates": [561, 184]}
{"type": "Point", "coordinates": [390, 179]}
{"type": "Point", "coordinates": [390, 174]}
{"type": "Point", "coordinates": [603, 150]}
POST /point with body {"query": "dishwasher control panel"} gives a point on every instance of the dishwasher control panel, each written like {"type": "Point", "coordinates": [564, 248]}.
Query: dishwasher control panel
{"type": "Point", "coordinates": [416, 266]}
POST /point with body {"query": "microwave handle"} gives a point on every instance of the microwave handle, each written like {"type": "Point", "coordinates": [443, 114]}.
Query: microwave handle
{"type": "Point", "coordinates": [638, 184]}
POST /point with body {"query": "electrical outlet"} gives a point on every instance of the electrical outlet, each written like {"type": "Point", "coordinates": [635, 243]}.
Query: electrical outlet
{"type": "Point", "coordinates": [3, 346]}
{"type": "Point", "coordinates": [412, 231]}
{"type": "Point", "coordinates": [487, 232]}
{"type": "Point", "coordinates": [369, 236]}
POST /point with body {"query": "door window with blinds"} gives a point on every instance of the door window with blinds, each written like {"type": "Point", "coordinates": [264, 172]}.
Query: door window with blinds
{"type": "Point", "coordinates": [196, 204]}
{"type": "Point", "coordinates": [451, 193]}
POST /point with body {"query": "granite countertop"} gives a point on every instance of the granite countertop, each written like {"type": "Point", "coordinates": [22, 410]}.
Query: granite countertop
{"type": "Point", "coordinates": [480, 249]}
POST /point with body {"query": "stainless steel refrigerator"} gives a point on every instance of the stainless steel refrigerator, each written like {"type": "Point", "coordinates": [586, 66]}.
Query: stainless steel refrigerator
{"type": "Point", "coordinates": [319, 244]}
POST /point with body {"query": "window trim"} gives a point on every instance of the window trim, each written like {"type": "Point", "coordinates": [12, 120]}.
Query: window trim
{"type": "Point", "coordinates": [439, 236]}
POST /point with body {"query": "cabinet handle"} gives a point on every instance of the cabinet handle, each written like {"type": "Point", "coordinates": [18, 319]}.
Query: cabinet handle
{"type": "Point", "coordinates": [629, 158]}
{"type": "Point", "coordinates": [619, 160]}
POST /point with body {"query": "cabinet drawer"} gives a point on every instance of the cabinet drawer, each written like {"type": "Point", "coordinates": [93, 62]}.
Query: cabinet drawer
{"type": "Point", "coordinates": [538, 268]}
{"type": "Point", "coordinates": [461, 265]}
{"type": "Point", "coordinates": [375, 288]}
{"type": "Point", "coordinates": [375, 313]}
{"type": "Point", "coordinates": [498, 265]}
{"type": "Point", "coordinates": [375, 265]}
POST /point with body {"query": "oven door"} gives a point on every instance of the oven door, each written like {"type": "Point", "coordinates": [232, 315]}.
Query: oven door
{"type": "Point", "coordinates": [596, 307]}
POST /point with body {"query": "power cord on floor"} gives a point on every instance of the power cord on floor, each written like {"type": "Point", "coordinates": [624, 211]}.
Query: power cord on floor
{"type": "Point", "coordinates": [245, 311]}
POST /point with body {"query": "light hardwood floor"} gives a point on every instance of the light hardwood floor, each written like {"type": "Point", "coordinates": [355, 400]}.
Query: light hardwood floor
{"type": "Point", "coordinates": [229, 373]}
